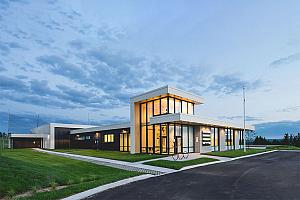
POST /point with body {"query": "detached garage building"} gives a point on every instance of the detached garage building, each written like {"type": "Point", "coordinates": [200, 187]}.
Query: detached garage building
{"type": "Point", "coordinates": [48, 136]}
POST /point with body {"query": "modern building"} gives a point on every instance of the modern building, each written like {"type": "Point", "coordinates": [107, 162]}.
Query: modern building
{"type": "Point", "coordinates": [162, 121]}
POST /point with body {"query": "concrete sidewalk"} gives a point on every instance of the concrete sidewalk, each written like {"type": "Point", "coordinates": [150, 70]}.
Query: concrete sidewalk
{"type": "Point", "coordinates": [129, 166]}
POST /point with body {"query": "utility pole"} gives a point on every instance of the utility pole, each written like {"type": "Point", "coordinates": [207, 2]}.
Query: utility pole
{"type": "Point", "coordinates": [37, 120]}
{"type": "Point", "coordinates": [88, 118]}
{"type": "Point", "coordinates": [244, 134]}
{"type": "Point", "coordinates": [8, 122]}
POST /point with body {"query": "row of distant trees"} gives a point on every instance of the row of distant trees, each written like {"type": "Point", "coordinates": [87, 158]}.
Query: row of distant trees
{"type": "Point", "coordinates": [288, 139]}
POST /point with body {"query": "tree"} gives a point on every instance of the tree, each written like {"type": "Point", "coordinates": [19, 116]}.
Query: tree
{"type": "Point", "coordinates": [286, 139]}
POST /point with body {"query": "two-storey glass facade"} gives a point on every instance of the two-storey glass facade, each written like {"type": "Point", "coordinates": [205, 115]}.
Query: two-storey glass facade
{"type": "Point", "coordinates": [167, 138]}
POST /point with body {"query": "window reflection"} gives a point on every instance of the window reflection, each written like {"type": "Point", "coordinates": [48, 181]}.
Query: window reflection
{"type": "Point", "coordinates": [171, 138]}
{"type": "Point", "coordinates": [157, 138]}
{"type": "Point", "coordinates": [150, 139]}
{"type": "Point", "coordinates": [190, 108]}
{"type": "Point", "coordinates": [157, 107]}
{"type": "Point", "coordinates": [184, 107]}
{"type": "Point", "coordinates": [177, 106]}
{"type": "Point", "coordinates": [164, 105]}
{"type": "Point", "coordinates": [171, 105]}
{"type": "Point", "coordinates": [144, 146]}
{"type": "Point", "coordinates": [143, 113]}
{"type": "Point", "coordinates": [150, 110]}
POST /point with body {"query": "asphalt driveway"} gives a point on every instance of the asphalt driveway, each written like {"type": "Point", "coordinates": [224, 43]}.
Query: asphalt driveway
{"type": "Point", "coordinates": [269, 176]}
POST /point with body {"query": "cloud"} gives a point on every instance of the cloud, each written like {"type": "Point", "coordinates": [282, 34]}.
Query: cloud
{"type": "Point", "coordinates": [24, 122]}
{"type": "Point", "coordinates": [276, 130]}
{"type": "Point", "coordinates": [289, 109]}
{"type": "Point", "coordinates": [6, 47]}
{"type": "Point", "coordinates": [229, 84]}
{"type": "Point", "coordinates": [38, 93]}
{"type": "Point", "coordinates": [286, 60]}
{"type": "Point", "coordinates": [248, 118]}
{"type": "Point", "coordinates": [2, 69]}
{"type": "Point", "coordinates": [13, 84]}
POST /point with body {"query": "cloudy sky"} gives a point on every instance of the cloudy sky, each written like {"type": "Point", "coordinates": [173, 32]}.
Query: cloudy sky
{"type": "Point", "coordinates": [80, 61]}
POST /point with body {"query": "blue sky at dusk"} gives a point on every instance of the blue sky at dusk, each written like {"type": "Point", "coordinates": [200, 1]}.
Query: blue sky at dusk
{"type": "Point", "coordinates": [79, 61]}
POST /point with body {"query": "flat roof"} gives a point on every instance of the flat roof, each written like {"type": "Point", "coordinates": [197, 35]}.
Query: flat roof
{"type": "Point", "coordinates": [101, 128]}
{"type": "Point", "coordinates": [168, 90]}
{"type": "Point", "coordinates": [194, 119]}
{"type": "Point", "coordinates": [26, 135]}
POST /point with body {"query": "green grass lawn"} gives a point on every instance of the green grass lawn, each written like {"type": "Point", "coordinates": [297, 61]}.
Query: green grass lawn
{"type": "Point", "coordinates": [236, 153]}
{"type": "Point", "coordinates": [115, 155]}
{"type": "Point", "coordinates": [25, 170]}
{"type": "Point", "coordinates": [283, 147]}
{"type": "Point", "coordinates": [179, 164]}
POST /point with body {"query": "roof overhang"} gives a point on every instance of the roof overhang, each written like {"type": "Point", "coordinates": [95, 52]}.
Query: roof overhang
{"type": "Point", "coordinates": [167, 90]}
{"type": "Point", "coordinates": [25, 135]}
{"type": "Point", "coordinates": [196, 120]}
{"type": "Point", "coordinates": [59, 125]}
{"type": "Point", "coordinates": [101, 128]}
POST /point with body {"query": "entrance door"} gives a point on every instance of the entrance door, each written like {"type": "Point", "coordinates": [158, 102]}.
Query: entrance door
{"type": "Point", "coordinates": [164, 145]}
{"type": "Point", "coordinates": [178, 144]}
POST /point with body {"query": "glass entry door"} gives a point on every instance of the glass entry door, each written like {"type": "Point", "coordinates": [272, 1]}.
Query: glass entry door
{"type": "Point", "coordinates": [178, 144]}
{"type": "Point", "coordinates": [164, 145]}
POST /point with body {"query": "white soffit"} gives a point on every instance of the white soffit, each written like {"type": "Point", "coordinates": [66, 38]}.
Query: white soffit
{"type": "Point", "coordinates": [193, 119]}
{"type": "Point", "coordinates": [25, 135]}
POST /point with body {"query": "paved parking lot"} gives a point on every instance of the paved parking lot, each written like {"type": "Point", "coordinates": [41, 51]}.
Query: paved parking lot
{"type": "Point", "coordinates": [271, 176]}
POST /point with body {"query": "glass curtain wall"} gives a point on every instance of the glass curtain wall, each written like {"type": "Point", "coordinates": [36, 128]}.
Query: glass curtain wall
{"type": "Point", "coordinates": [165, 138]}
{"type": "Point", "coordinates": [215, 135]}
{"type": "Point", "coordinates": [229, 138]}
{"type": "Point", "coordinates": [168, 138]}
{"type": "Point", "coordinates": [124, 141]}
{"type": "Point", "coordinates": [241, 140]}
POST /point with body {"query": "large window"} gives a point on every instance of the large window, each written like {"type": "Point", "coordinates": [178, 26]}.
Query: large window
{"type": "Point", "coordinates": [177, 106]}
{"type": "Point", "coordinates": [157, 138]}
{"type": "Point", "coordinates": [165, 138]}
{"type": "Point", "coordinates": [143, 113]}
{"type": "Point", "coordinates": [108, 138]}
{"type": "Point", "coordinates": [164, 106]}
{"type": "Point", "coordinates": [185, 139]}
{"type": "Point", "coordinates": [190, 108]}
{"type": "Point", "coordinates": [184, 107]}
{"type": "Point", "coordinates": [124, 140]}
{"type": "Point", "coordinates": [229, 139]}
{"type": "Point", "coordinates": [144, 139]}
{"type": "Point", "coordinates": [171, 138]}
{"type": "Point", "coordinates": [215, 139]}
{"type": "Point", "coordinates": [149, 110]}
{"type": "Point", "coordinates": [191, 139]}
{"type": "Point", "coordinates": [171, 105]}
{"type": "Point", "coordinates": [157, 107]}
{"type": "Point", "coordinates": [150, 139]}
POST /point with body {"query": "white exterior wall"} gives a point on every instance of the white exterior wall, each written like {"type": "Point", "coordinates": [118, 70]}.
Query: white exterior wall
{"type": "Point", "coordinates": [204, 149]}
{"type": "Point", "coordinates": [222, 139]}
{"type": "Point", "coordinates": [43, 130]}
{"type": "Point", "coordinates": [237, 138]}
{"type": "Point", "coordinates": [134, 127]}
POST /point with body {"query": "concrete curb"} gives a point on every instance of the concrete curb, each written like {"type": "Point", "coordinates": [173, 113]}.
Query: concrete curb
{"type": "Point", "coordinates": [102, 188]}
{"type": "Point", "coordinates": [251, 155]}
{"type": "Point", "coordinates": [289, 150]}
{"type": "Point", "coordinates": [113, 163]}
{"type": "Point", "coordinates": [222, 161]}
